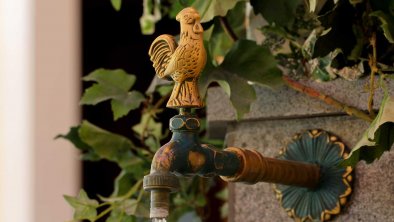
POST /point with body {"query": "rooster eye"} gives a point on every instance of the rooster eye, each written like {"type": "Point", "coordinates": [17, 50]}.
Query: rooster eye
{"type": "Point", "coordinates": [188, 19]}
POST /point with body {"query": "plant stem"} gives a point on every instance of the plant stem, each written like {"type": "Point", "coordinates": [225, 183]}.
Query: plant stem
{"type": "Point", "coordinates": [227, 28]}
{"type": "Point", "coordinates": [352, 111]}
{"type": "Point", "coordinates": [374, 69]}
{"type": "Point", "coordinates": [155, 107]}
{"type": "Point", "coordinates": [106, 211]}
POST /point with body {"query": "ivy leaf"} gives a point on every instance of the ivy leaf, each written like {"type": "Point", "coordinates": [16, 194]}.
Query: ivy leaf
{"type": "Point", "coordinates": [278, 12]}
{"type": "Point", "coordinates": [150, 16]}
{"type": "Point", "coordinates": [132, 189]}
{"type": "Point", "coordinates": [122, 105]}
{"type": "Point", "coordinates": [208, 9]}
{"type": "Point", "coordinates": [119, 217]}
{"type": "Point", "coordinates": [148, 126]}
{"type": "Point", "coordinates": [84, 207]}
{"type": "Point", "coordinates": [117, 4]}
{"type": "Point", "coordinates": [245, 63]}
{"type": "Point", "coordinates": [177, 6]}
{"type": "Point", "coordinates": [135, 207]}
{"type": "Point", "coordinates": [114, 85]}
{"type": "Point", "coordinates": [73, 137]}
{"type": "Point", "coordinates": [379, 137]}
{"type": "Point", "coordinates": [321, 69]}
{"type": "Point", "coordinates": [387, 24]}
{"type": "Point", "coordinates": [108, 145]}
{"type": "Point", "coordinates": [219, 41]}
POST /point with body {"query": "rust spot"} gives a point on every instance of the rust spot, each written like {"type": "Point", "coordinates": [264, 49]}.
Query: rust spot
{"type": "Point", "coordinates": [164, 158]}
{"type": "Point", "coordinates": [196, 160]}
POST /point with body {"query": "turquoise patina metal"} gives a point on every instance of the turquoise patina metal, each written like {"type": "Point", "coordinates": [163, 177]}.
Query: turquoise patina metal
{"type": "Point", "coordinates": [326, 200]}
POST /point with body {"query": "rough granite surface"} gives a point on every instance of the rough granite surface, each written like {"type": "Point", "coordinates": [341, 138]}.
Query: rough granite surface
{"type": "Point", "coordinates": [286, 103]}
{"type": "Point", "coordinates": [373, 197]}
{"type": "Point", "coordinates": [275, 117]}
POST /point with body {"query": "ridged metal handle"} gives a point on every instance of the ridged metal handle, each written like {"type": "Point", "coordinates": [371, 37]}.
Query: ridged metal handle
{"type": "Point", "coordinates": [256, 168]}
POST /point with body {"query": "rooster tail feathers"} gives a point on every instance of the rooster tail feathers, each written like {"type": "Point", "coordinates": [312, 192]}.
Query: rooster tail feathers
{"type": "Point", "coordinates": [160, 53]}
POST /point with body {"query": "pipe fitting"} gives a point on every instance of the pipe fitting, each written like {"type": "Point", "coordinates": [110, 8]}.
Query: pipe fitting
{"type": "Point", "coordinates": [160, 184]}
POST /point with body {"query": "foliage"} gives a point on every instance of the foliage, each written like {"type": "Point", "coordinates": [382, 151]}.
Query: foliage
{"type": "Point", "coordinates": [317, 39]}
{"type": "Point", "coordinates": [378, 138]}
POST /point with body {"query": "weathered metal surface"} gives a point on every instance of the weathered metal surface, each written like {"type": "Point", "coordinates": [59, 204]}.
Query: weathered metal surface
{"type": "Point", "coordinates": [185, 155]}
{"type": "Point", "coordinates": [334, 188]}
{"type": "Point", "coordinates": [256, 168]}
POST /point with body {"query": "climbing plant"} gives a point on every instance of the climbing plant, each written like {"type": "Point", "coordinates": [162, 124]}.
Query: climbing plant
{"type": "Point", "coordinates": [249, 43]}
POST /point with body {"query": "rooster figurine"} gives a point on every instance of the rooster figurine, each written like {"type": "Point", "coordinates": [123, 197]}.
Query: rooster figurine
{"type": "Point", "coordinates": [183, 62]}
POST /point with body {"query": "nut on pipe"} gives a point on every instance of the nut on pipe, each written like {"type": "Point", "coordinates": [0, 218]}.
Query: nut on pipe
{"type": "Point", "coordinates": [256, 168]}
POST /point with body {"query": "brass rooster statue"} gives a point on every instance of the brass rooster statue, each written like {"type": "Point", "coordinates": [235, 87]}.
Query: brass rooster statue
{"type": "Point", "coordinates": [183, 62]}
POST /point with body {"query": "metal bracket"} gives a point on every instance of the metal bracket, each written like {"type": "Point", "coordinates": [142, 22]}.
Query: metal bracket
{"type": "Point", "coordinates": [335, 185]}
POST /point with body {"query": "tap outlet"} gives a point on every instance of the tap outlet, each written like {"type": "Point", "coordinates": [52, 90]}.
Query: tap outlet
{"type": "Point", "coordinates": [160, 184]}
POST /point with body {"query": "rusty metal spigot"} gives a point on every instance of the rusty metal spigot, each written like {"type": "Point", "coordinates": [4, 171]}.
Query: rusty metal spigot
{"type": "Point", "coordinates": [184, 155]}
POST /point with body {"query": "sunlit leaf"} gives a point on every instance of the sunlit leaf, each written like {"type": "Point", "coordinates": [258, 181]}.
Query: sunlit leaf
{"type": "Point", "coordinates": [151, 15]}
{"type": "Point", "coordinates": [178, 5]}
{"type": "Point", "coordinates": [117, 4]}
{"type": "Point", "coordinates": [208, 9]}
{"type": "Point", "coordinates": [245, 63]}
{"type": "Point", "coordinates": [378, 138]}
{"type": "Point", "coordinates": [387, 24]}
{"type": "Point", "coordinates": [84, 207]}
{"type": "Point", "coordinates": [114, 85]}
{"type": "Point", "coordinates": [219, 41]}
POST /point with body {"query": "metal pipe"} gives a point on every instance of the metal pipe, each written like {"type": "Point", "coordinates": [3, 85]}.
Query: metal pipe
{"type": "Point", "coordinates": [256, 168]}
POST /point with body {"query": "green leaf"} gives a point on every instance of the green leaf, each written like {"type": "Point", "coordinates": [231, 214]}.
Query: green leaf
{"type": "Point", "coordinates": [379, 137]}
{"type": "Point", "coordinates": [178, 5]}
{"type": "Point", "coordinates": [219, 41]}
{"type": "Point", "coordinates": [114, 85]}
{"type": "Point", "coordinates": [132, 207]}
{"type": "Point", "coordinates": [278, 12]}
{"type": "Point", "coordinates": [387, 24]}
{"type": "Point", "coordinates": [73, 137]}
{"type": "Point", "coordinates": [164, 90]}
{"type": "Point", "coordinates": [150, 16]}
{"type": "Point", "coordinates": [245, 63]}
{"type": "Point", "coordinates": [108, 145]}
{"type": "Point", "coordinates": [122, 106]}
{"type": "Point", "coordinates": [129, 189]}
{"type": "Point", "coordinates": [321, 69]}
{"type": "Point", "coordinates": [119, 217]}
{"type": "Point", "coordinates": [208, 9]}
{"type": "Point", "coordinates": [148, 126]}
{"type": "Point", "coordinates": [117, 4]}
{"type": "Point", "coordinates": [84, 208]}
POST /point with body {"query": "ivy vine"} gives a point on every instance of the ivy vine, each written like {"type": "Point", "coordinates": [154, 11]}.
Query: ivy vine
{"type": "Point", "coordinates": [256, 42]}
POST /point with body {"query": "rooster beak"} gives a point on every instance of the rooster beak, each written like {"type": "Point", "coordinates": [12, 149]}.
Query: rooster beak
{"type": "Point", "coordinates": [197, 28]}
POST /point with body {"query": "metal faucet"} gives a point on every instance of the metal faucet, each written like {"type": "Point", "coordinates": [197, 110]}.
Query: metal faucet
{"type": "Point", "coordinates": [184, 155]}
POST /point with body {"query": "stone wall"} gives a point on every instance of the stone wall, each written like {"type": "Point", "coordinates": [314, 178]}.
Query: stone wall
{"type": "Point", "coordinates": [275, 118]}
